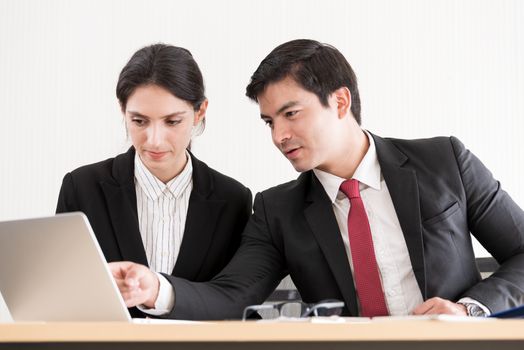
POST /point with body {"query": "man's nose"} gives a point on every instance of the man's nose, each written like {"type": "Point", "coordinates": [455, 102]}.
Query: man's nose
{"type": "Point", "coordinates": [281, 132]}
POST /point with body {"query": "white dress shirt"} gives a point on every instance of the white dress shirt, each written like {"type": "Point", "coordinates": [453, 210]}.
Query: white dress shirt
{"type": "Point", "coordinates": [401, 290]}
{"type": "Point", "coordinates": [399, 284]}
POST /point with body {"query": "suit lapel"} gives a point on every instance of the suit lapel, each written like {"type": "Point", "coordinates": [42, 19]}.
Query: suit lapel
{"type": "Point", "coordinates": [202, 216]}
{"type": "Point", "coordinates": [321, 219]}
{"type": "Point", "coordinates": [120, 198]}
{"type": "Point", "coordinates": [403, 188]}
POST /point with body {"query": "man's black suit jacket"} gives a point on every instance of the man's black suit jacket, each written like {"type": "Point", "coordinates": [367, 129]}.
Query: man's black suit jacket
{"type": "Point", "coordinates": [219, 208]}
{"type": "Point", "coordinates": [441, 192]}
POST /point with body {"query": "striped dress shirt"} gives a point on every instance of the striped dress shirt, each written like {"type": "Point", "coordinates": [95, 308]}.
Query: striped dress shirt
{"type": "Point", "coordinates": [162, 210]}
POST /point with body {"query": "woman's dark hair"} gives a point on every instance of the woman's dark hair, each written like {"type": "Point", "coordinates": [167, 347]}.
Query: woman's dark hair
{"type": "Point", "coordinates": [316, 67]}
{"type": "Point", "coordinates": [170, 67]}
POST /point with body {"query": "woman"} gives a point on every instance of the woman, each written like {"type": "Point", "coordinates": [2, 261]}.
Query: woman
{"type": "Point", "coordinates": [157, 204]}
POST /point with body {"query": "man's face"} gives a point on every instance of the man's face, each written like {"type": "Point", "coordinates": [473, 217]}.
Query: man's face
{"type": "Point", "coordinates": [301, 127]}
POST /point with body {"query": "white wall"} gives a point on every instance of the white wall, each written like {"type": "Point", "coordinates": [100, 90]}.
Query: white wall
{"type": "Point", "coordinates": [425, 68]}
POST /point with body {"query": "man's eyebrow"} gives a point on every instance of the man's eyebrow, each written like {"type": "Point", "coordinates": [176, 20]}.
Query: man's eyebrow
{"type": "Point", "coordinates": [286, 106]}
{"type": "Point", "coordinates": [281, 109]}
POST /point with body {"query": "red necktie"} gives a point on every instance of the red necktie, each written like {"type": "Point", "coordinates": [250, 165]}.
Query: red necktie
{"type": "Point", "coordinates": [367, 280]}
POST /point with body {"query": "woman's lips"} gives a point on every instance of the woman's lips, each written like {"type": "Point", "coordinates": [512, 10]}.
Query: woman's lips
{"type": "Point", "coordinates": [156, 155]}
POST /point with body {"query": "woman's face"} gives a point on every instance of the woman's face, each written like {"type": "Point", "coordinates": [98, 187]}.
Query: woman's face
{"type": "Point", "coordinates": [160, 126]}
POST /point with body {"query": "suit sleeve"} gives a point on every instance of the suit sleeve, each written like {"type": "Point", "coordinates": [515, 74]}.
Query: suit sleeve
{"type": "Point", "coordinates": [67, 198]}
{"type": "Point", "coordinates": [248, 206]}
{"type": "Point", "coordinates": [249, 278]}
{"type": "Point", "coordinates": [498, 224]}
{"type": "Point", "coordinates": [245, 209]}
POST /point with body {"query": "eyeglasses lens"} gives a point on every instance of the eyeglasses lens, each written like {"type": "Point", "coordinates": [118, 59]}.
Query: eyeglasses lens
{"type": "Point", "coordinates": [291, 309]}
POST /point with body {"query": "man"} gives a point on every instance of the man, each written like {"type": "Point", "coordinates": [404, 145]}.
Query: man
{"type": "Point", "coordinates": [382, 224]}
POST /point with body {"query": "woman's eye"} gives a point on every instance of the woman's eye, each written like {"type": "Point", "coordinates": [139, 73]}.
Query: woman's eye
{"type": "Point", "coordinates": [138, 122]}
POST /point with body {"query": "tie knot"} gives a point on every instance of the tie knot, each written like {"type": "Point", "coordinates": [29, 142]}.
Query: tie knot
{"type": "Point", "coordinates": [350, 188]}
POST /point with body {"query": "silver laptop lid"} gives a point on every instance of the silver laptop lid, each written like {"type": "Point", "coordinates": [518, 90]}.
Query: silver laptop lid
{"type": "Point", "coordinates": [52, 269]}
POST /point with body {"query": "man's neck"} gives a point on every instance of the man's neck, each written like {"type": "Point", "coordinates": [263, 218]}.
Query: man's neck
{"type": "Point", "coordinates": [349, 155]}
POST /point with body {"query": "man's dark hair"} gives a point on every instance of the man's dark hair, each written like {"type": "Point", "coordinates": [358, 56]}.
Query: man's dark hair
{"type": "Point", "coordinates": [170, 67]}
{"type": "Point", "coordinates": [316, 67]}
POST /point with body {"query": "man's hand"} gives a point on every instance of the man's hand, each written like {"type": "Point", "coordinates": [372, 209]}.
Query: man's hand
{"type": "Point", "coordinates": [137, 284]}
{"type": "Point", "coordinates": [440, 306]}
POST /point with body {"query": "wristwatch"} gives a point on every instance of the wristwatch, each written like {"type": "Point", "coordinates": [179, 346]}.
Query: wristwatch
{"type": "Point", "coordinates": [474, 310]}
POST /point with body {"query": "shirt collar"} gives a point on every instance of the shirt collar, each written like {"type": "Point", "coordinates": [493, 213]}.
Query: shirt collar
{"type": "Point", "coordinates": [154, 188]}
{"type": "Point", "coordinates": [368, 173]}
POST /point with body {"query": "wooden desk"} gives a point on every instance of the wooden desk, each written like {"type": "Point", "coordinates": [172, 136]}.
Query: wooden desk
{"type": "Point", "coordinates": [429, 334]}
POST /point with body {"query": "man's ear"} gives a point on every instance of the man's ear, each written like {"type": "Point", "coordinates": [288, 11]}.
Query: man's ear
{"type": "Point", "coordinates": [342, 97]}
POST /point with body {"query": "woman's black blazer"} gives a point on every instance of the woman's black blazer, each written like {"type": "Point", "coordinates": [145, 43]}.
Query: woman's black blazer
{"type": "Point", "coordinates": [219, 208]}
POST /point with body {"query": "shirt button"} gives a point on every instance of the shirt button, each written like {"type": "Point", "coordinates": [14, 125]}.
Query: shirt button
{"type": "Point", "coordinates": [391, 292]}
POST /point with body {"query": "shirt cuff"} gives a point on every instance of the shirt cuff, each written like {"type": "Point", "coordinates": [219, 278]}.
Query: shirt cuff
{"type": "Point", "coordinates": [164, 302]}
{"type": "Point", "coordinates": [468, 300]}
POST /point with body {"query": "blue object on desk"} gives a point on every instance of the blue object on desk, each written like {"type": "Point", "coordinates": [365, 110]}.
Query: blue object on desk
{"type": "Point", "coordinates": [516, 312]}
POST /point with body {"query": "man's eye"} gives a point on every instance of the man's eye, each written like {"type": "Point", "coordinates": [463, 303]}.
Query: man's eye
{"type": "Point", "coordinates": [268, 122]}
{"type": "Point", "coordinates": [291, 113]}
{"type": "Point", "coordinates": [172, 122]}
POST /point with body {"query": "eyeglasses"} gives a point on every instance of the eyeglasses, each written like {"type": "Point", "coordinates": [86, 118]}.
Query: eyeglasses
{"type": "Point", "coordinates": [330, 307]}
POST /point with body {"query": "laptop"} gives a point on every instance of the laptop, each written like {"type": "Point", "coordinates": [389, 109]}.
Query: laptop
{"type": "Point", "coordinates": [52, 269]}
{"type": "Point", "coordinates": [515, 312]}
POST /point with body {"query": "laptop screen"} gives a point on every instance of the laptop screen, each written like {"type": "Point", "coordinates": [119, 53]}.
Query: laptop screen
{"type": "Point", "coordinates": [52, 269]}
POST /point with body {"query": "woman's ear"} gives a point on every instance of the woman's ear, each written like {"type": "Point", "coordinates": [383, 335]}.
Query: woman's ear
{"type": "Point", "coordinates": [123, 110]}
{"type": "Point", "coordinates": [201, 113]}
{"type": "Point", "coordinates": [199, 123]}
